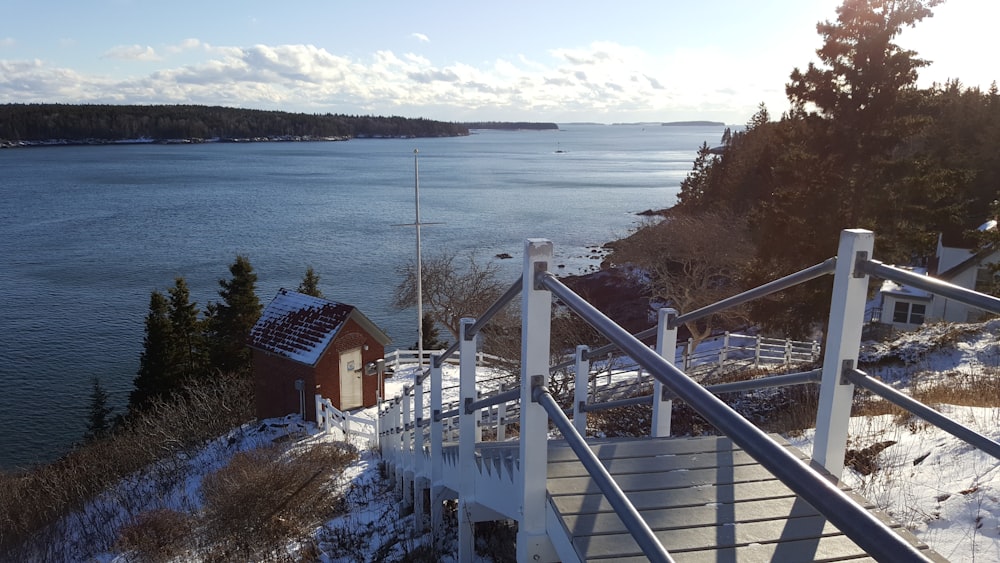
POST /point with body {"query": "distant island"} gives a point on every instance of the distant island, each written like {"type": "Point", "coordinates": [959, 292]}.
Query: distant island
{"type": "Point", "coordinates": [511, 126]}
{"type": "Point", "coordinates": [693, 124]}
{"type": "Point", "coordinates": [85, 124]}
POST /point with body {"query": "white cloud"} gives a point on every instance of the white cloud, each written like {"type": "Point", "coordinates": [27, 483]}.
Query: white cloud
{"type": "Point", "coordinates": [420, 37]}
{"type": "Point", "coordinates": [581, 83]}
{"type": "Point", "coordinates": [132, 53]}
{"type": "Point", "coordinates": [189, 44]}
{"type": "Point", "coordinates": [7, 42]}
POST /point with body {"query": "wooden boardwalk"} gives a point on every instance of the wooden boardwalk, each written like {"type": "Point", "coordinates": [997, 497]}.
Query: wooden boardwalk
{"type": "Point", "coordinates": [706, 499]}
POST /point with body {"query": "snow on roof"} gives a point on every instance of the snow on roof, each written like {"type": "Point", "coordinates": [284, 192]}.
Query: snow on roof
{"type": "Point", "coordinates": [988, 226]}
{"type": "Point", "coordinates": [298, 326]}
{"type": "Point", "coordinates": [894, 288]}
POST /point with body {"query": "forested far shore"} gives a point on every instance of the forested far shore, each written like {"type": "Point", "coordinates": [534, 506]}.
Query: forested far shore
{"type": "Point", "coordinates": [511, 126]}
{"type": "Point", "coordinates": [47, 124]}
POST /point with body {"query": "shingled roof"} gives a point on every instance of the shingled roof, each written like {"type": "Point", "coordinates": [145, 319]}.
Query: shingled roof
{"type": "Point", "coordinates": [301, 327]}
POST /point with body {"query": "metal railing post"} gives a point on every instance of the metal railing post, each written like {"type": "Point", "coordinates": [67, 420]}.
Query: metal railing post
{"type": "Point", "coordinates": [843, 339]}
{"type": "Point", "coordinates": [466, 441]}
{"type": "Point", "coordinates": [581, 367]}
{"type": "Point", "coordinates": [533, 543]}
{"type": "Point", "coordinates": [666, 346]}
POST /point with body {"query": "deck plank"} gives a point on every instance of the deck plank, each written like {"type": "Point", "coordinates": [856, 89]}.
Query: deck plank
{"type": "Point", "coordinates": [655, 463]}
{"type": "Point", "coordinates": [708, 514]}
{"type": "Point", "coordinates": [704, 498]}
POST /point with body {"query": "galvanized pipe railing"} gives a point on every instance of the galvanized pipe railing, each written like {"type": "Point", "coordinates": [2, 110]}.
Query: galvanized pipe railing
{"type": "Point", "coordinates": [630, 517]}
{"type": "Point", "coordinates": [927, 283]}
{"type": "Point", "coordinates": [497, 306]}
{"type": "Point", "coordinates": [780, 284]}
{"type": "Point", "coordinates": [960, 431]}
{"type": "Point", "coordinates": [870, 533]}
{"type": "Point", "coordinates": [631, 401]}
{"type": "Point", "coordinates": [812, 376]}
{"type": "Point", "coordinates": [819, 270]}
{"type": "Point", "coordinates": [506, 396]}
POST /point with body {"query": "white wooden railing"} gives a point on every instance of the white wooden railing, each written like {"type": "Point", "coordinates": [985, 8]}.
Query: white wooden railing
{"type": "Point", "coordinates": [354, 429]}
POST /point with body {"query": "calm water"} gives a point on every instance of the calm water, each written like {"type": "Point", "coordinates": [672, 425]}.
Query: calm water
{"type": "Point", "coordinates": [87, 232]}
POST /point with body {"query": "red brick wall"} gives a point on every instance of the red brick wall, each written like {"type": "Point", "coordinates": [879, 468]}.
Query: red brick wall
{"type": "Point", "coordinates": [274, 386]}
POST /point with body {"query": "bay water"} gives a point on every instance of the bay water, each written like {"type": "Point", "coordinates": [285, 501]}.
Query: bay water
{"type": "Point", "coordinates": [86, 233]}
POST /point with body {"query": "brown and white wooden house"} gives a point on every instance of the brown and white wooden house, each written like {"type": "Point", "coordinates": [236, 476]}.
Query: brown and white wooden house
{"type": "Point", "coordinates": [303, 346]}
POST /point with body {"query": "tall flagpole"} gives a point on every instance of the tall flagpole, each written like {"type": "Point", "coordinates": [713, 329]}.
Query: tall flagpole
{"type": "Point", "coordinates": [420, 269]}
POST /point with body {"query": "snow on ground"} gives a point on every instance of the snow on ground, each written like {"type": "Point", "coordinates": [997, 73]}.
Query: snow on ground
{"type": "Point", "coordinates": [946, 492]}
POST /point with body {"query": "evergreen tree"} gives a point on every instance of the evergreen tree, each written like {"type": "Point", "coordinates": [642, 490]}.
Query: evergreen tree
{"type": "Point", "coordinates": [186, 332]}
{"type": "Point", "coordinates": [231, 320]}
{"type": "Point", "coordinates": [98, 422]}
{"type": "Point", "coordinates": [310, 284]}
{"type": "Point", "coordinates": [867, 109]}
{"type": "Point", "coordinates": [432, 337]}
{"type": "Point", "coordinates": [155, 376]}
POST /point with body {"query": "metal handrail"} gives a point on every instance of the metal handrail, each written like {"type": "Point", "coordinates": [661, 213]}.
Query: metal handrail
{"type": "Point", "coordinates": [823, 268]}
{"type": "Point", "coordinates": [513, 291]}
{"type": "Point", "coordinates": [630, 517]}
{"type": "Point", "coordinates": [921, 410]}
{"type": "Point", "coordinates": [927, 283]}
{"type": "Point", "coordinates": [631, 401]}
{"type": "Point", "coordinates": [812, 376]}
{"type": "Point", "coordinates": [492, 400]}
{"type": "Point", "coordinates": [840, 509]}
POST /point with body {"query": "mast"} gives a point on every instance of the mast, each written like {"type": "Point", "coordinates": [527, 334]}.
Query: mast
{"type": "Point", "coordinates": [420, 270]}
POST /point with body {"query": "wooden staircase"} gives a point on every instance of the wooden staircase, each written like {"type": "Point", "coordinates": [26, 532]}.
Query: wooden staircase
{"type": "Point", "coordinates": [706, 499]}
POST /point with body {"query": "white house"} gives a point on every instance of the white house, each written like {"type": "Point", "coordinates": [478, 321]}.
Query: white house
{"type": "Point", "coordinates": [955, 262]}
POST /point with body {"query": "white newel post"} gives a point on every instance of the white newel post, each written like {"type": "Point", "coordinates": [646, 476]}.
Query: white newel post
{"type": "Point", "coordinates": [843, 338]}
{"type": "Point", "coordinates": [666, 347]}
{"type": "Point", "coordinates": [502, 418]}
{"type": "Point", "coordinates": [407, 451]}
{"type": "Point", "coordinates": [724, 350]}
{"type": "Point", "coordinates": [582, 369]}
{"type": "Point", "coordinates": [397, 444]}
{"type": "Point", "coordinates": [533, 543]}
{"type": "Point", "coordinates": [466, 442]}
{"type": "Point", "coordinates": [319, 411]}
{"type": "Point", "coordinates": [420, 481]}
{"type": "Point", "coordinates": [437, 438]}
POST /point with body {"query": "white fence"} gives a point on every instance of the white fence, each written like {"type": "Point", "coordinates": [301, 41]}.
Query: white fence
{"type": "Point", "coordinates": [353, 428]}
{"type": "Point", "coordinates": [748, 350]}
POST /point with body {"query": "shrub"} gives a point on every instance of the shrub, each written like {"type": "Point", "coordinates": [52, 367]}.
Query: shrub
{"type": "Point", "coordinates": [266, 496]}
{"type": "Point", "coordinates": [156, 535]}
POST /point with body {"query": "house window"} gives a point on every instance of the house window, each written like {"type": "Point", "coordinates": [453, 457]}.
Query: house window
{"type": "Point", "coordinates": [985, 279]}
{"type": "Point", "coordinates": [909, 313]}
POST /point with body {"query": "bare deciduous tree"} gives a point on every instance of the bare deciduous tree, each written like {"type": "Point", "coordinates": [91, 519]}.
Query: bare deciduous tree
{"type": "Point", "coordinates": [453, 288]}
{"type": "Point", "coordinates": [692, 260]}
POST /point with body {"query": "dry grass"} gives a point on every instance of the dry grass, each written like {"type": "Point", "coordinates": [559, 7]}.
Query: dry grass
{"type": "Point", "coordinates": [974, 388]}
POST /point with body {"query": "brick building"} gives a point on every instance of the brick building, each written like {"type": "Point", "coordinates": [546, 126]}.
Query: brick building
{"type": "Point", "coordinates": [305, 345]}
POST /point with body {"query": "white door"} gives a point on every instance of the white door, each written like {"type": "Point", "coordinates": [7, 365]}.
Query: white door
{"type": "Point", "coordinates": [350, 379]}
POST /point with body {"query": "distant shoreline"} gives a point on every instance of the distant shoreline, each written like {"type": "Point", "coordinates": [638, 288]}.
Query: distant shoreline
{"type": "Point", "coordinates": [693, 124]}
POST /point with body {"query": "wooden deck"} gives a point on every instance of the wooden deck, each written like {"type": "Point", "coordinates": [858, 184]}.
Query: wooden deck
{"type": "Point", "coordinates": [706, 500]}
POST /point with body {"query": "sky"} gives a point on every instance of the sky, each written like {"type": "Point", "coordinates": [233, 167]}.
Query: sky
{"type": "Point", "coordinates": [555, 60]}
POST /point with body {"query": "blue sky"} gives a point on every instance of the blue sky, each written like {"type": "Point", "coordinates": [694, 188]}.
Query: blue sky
{"type": "Point", "coordinates": [563, 61]}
